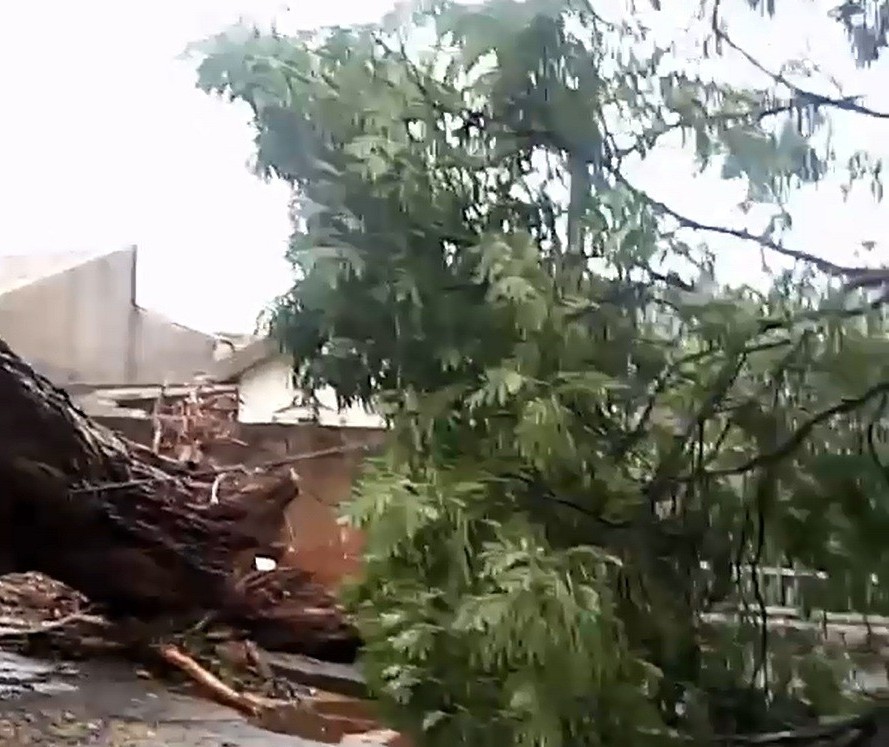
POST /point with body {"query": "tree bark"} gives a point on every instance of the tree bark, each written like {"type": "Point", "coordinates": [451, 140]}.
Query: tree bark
{"type": "Point", "coordinates": [129, 529]}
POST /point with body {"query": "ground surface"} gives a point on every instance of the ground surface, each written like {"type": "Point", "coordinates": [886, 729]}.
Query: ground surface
{"type": "Point", "coordinates": [109, 704]}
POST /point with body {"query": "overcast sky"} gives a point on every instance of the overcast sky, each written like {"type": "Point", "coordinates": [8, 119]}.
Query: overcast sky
{"type": "Point", "coordinates": [105, 142]}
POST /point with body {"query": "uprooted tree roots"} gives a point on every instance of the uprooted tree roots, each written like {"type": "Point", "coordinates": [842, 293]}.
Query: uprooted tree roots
{"type": "Point", "coordinates": [135, 532]}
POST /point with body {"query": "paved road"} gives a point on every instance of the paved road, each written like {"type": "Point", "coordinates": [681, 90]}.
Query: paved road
{"type": "Point", "coordinates": [106, 704]}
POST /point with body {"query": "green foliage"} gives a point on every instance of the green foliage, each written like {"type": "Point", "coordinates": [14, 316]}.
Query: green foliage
{"type": "Point", "coordinates": [506, 643]}
{"type": "Point", "coordinates": [593, 444]}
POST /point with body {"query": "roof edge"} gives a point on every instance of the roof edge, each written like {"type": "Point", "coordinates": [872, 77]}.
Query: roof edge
{"type": "Point", "coordinates": [244, 359]}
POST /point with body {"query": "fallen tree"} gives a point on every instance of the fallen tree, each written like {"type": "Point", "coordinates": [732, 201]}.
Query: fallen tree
{"type": "Point", "coordinates": [136, 533]}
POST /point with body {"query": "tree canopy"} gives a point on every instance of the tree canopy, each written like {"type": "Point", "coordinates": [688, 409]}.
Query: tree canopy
{"type": "Point", "coordinates": [596, 441]}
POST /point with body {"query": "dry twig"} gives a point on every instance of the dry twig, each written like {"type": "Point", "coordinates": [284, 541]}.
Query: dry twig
{"type": "Point", "coordinates": [246, 703]}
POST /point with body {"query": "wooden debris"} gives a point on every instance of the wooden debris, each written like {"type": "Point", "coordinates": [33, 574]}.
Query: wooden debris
{"type": "Point", "coordinates": [323, 718]}
{"type": "Point", "coordinates": [54, 625]}
{"type": "Point", "coordinates": [184, 427]}
{"type": "Point", "coordinates": [248, 704]}
{"type": "Point", "coordinates": [161, 546]}
{"type": "Point", "coordinates": [81, 506]}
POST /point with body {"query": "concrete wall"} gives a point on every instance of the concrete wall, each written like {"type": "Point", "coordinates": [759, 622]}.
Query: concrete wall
{"type": "Point", "coordinates": [166, 352]}
{"type": "Point", "coordinates": [77, 323]}
{"type": "Point", "coordinates": [83, 326]}
{"type": "Point", "coordinates": [267, 394]}
{"type": "Point", "coordinates": [265, 391]}
{"type": "Point", "coordinates": [317, 542]}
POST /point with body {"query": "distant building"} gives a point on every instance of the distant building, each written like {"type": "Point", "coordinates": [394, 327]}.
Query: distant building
{"type": "Point", "coordinates": [264, 377]}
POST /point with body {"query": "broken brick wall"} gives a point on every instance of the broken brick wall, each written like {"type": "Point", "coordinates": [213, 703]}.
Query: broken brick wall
{"type": "Point", "coordinates": [317, 542]}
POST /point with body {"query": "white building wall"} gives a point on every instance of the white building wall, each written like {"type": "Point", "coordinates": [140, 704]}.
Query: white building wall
{"type": "Point", "coordinates": [267, 395]}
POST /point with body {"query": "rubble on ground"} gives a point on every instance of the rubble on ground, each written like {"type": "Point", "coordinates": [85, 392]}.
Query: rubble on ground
{"type": "Point", "coordinates": [32, 599]}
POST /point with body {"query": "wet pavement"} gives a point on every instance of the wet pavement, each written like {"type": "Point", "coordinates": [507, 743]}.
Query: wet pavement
{"type": "Point", "coordinates": [109, 704]}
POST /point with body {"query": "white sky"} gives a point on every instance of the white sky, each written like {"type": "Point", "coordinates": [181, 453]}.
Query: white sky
{"type": "Point", "coordinates": [105, 142]}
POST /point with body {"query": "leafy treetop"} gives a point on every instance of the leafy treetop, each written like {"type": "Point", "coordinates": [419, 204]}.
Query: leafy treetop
{"type": "Point", "coordinates": [594, 444]}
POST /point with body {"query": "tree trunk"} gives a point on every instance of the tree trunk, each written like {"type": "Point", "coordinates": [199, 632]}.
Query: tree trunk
{"type": "Point", "coordinates": [131, 530]}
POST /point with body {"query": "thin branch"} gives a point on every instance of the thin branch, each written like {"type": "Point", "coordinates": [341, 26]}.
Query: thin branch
{"type": "Point", "coordinates": [663, 379]}
{"type": "Point", "coordinates": [246, 703]}
{"type": "Point", "coordinates": [824, 265]}
{"type": "Point", "coordinates": [664, 477]}
{"type": "Point", "coordinates": [215, 471]}
{"type": "Point", "coordinates": [831, 268]}
{"type": "Point", "coordinates": [724, 117]}
{"type": "Point", "coordinates": [848, 404]}
{"type": "Point", "coordinates": [780, 369]}
{"type": "Point", "coordinates": [761, 508]}
{"type": "Point", "coordinates": [540, 491]}
{"type": "Point", "coordinates": [865, 276]}
{"type": "Point", "coordinates": [804, 96]}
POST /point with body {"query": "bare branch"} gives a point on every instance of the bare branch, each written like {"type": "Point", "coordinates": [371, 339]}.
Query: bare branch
{"type": "Point", "coordinates": [831, 268]}
{"type": "Point", "coordinates": [804, 96]}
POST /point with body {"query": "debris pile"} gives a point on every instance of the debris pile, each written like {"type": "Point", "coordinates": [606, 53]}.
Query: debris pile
{"type": "Point", "coordinates": [185, 426]}
{"type": "Point", "coordinates": [286, 609]}
{"type": "Point", "coordinates": [31, 598]}
{"type": "Point", "coordinates": [295, 614]}
{"type": "Point", "coordinates": [31, 601]}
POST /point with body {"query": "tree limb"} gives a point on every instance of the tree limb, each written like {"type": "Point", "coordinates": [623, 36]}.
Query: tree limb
{"type": "Point", "coordinates": [826, 266]}
{"type": "Point", "coordinates": [804, 96]}
{"type": "Point", "coordinates": [848, 404]}
{"type": "Point", "coordinates": [246, 703]}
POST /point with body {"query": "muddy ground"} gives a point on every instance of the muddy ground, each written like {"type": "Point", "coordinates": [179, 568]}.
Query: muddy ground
{"type": "Point", "coordinates": [110, 704]}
